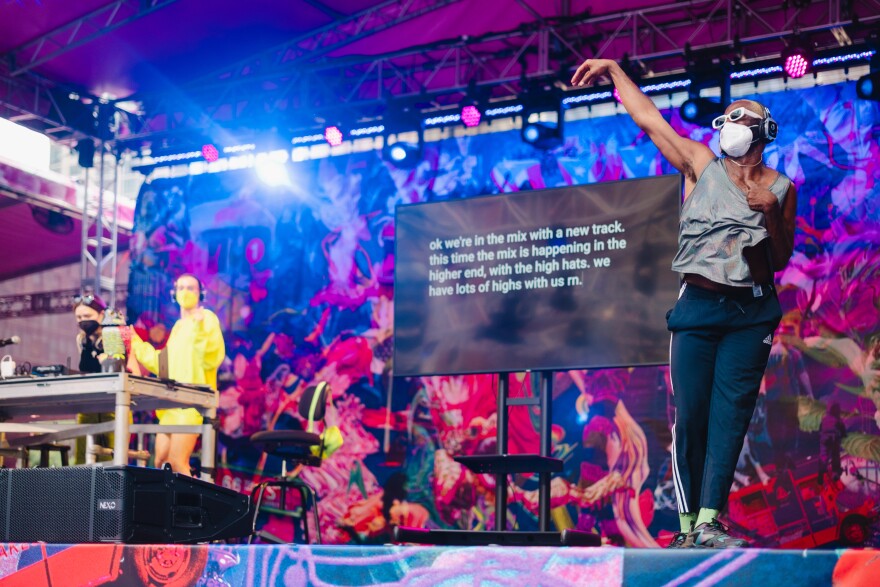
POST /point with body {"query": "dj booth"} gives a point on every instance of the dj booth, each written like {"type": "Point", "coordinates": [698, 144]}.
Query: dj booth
{"type": "Point", "coordinates": [31, 407]}
{"type": "Point", "coordinates": [111, 503]}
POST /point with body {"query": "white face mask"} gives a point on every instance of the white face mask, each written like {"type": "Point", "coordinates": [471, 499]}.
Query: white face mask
{"type": "Point", "coordinates": [736, 139]}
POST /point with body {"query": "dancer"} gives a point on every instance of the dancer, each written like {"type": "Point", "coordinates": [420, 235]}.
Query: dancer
{"type": "Point", "coordinates": [736, 229]}
{"type": "Point", "coordinates": [193, 353]}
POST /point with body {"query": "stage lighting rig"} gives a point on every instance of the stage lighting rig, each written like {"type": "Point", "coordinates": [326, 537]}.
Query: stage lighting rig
{"type": "Point", "coordinates": [403, 154]}
{"type": "Point", "coordinates": [334, 136]}
{"type": "Point", "coordinates": [543, 135]}
{"type": "Point", "coordinates": [210, 152]}
{"type": "Point", "coordinates": [797, 59]}
{"type": "Point", "coordinates": [868, 86]}
{"type": "Point", "coordinates": [471, 115]}
{"type": "Point", "coordinates": [705, 70]}
{"type": "Point", "coordinates": [700, 111]}
{"type": "Point", "coordinates": [539, 129]}
{"type": "Point", "coordinates": [402, 120]}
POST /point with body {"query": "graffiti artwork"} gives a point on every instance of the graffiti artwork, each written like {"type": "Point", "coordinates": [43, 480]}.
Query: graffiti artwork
{"type": "Point", "coordinates": [301, 277]}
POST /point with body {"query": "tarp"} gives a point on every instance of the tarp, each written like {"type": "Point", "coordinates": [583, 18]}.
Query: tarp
{"type": "Point", "coordinates": [41, 220]}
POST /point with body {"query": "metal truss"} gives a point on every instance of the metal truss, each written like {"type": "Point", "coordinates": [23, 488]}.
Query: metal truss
{"type": "Point", "coordinates": [290, 85]}
{"type": "Point", "coordinates": [100, 238]}
{"type": "Point", "coordinates": [79, 32]}
{"type": "Point", "coordinates": [55, 110]}
{"type": "Point", "coordinates": [291, 88]}
{"type": "Point", "coordinates": [47, 302]}
{"type": "Point", "coordinates": [329, 38]}
{"type": "Point", "coordinates": [31, 102]}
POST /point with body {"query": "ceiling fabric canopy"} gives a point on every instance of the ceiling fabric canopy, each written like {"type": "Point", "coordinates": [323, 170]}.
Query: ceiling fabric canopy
{"type": "Point", "coordinates": [41, 215]}
{"type": "Point", "coordinates": [189, 65]}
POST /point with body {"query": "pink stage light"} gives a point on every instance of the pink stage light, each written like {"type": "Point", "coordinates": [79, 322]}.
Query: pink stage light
{"type": "Point", "coordinates": [470, 116]}
{"type": "Point", "coordinates": [796, 65]}
{"type": "Point", "coordinates": [616, 95]}
{"type": "Point", "coordinates": [333, 136]}
{"type": "Point", "coordinates": [210, 153]}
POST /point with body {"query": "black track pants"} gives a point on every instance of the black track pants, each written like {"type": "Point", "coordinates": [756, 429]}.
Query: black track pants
{"type": "Point", "coordinates": [718, 352]}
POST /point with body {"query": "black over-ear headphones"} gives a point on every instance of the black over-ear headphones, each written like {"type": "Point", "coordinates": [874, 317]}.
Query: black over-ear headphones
{"type": "Point", "coordinates": [199, 281]}
{"type": "Point", "coordinates": [769, 128]}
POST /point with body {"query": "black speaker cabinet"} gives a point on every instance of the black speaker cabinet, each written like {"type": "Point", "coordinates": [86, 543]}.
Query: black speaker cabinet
{"type": "Point", "coordinates": [135, 505]}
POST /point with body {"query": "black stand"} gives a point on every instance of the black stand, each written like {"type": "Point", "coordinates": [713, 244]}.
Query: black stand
{"type": "Point", "coordinates": [503, 464]}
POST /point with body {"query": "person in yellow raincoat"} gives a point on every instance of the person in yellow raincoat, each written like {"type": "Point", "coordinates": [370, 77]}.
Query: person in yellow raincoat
{"type": "Point", "coordinates": [195, 350]}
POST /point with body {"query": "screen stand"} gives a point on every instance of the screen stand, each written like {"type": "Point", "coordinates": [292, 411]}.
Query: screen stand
{"type": "Point", "coordinates": [503, 464]}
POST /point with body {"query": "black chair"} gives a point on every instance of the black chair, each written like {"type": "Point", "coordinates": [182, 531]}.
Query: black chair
{"type": "Point", "coordinates": [48, 447]}
{"type": "Point", "coordinates": [295, 448]}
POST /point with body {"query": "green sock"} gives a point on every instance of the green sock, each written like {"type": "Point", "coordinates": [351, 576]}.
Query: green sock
{"type": "Point", "coordinates": [706, 515]}
{"type": "Point", "coordinates": [687, 521]}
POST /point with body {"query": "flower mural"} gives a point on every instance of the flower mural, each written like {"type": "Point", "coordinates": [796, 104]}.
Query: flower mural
{"type": "Point", "coordinates": [302, 278]}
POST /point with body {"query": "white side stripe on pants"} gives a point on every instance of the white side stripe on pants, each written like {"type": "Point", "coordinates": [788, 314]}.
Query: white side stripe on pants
{"type": "Point", "coordinates": [676, 476]}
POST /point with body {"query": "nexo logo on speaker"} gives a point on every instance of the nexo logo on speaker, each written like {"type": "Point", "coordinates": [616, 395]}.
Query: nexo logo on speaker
{"type": "Point", "coordinates": [108, 504]}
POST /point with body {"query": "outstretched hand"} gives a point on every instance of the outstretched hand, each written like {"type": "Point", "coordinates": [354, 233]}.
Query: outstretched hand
{"type": "Point", "coordinates": [760, 198]}
{"type": "Point", "coordinates": [590, 70]}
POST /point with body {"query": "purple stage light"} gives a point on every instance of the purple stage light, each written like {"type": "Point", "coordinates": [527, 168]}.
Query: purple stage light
{"type": "Point", "coordinates": [796, 65]}
{"type": "Point", "coordinates": [333, 136]}
{"type": "Point", "coordinates": [470, 116]}
{"type": "Point", "coordinates": [210, 153]}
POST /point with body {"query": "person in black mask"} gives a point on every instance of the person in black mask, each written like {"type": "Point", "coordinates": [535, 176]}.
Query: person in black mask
{"type": "Point", "coordinates": [88, 309]}
{"type": "Point", "coordinates": [89, 313]}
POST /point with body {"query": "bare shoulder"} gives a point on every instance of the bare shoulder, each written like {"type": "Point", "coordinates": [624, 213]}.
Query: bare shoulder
{"type": "Point", "coordinates": [701, 157]}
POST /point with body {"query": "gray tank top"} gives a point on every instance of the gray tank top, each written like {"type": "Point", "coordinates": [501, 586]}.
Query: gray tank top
{"type": "Point", "coordinates": [716, 224]}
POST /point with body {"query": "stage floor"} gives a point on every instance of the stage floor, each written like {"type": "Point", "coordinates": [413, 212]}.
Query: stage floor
{"type": "Point", "coordinates": [35, 565]}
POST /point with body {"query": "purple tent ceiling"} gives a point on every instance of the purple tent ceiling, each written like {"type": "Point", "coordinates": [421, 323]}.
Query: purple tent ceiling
{"type": "Point", "coordinates": [184, 39]}
{"type": "Point", "coordinates": [187, 60]}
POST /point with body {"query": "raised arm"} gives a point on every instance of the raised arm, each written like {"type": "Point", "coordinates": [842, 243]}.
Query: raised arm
{"type": "Point", "coordinates": [689, 157]}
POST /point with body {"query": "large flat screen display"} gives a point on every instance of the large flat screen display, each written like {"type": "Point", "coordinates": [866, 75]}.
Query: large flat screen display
{"type": "Point", "coordinates": [565, 278]}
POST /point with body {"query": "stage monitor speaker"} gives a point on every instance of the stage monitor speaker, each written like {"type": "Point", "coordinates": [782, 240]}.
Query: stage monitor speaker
{"type": "Point", "coordinates": [134, 505]}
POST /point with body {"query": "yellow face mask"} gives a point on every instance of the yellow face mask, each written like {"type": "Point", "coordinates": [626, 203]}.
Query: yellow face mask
{"type": "Point", "coordinates": [187, 299]}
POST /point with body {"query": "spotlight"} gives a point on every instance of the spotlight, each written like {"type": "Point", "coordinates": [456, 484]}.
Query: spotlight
{"type": "Point", "coordinates": [333, 136]}
{"type": "Point", "coordinates": [470, 116]}
{"type": "Point", "coordinates": [530, 133]}
{"type": "Point", "coordinates": [868, 86]}
{"type": "Point", "coordinates": [542, 135]}
{"type": "Point", "coordinates": [402, 155]}
{"type": "Point", "coordinates": [796, 61]}
{"type": "Point", "coordinates": [700, 111]}
{"type": "Point", "coordinates": [543, 116]}
{"type": "Point", "coordinates": [210, 153]}
{"type": "Point", "coordinates": [272, 173]}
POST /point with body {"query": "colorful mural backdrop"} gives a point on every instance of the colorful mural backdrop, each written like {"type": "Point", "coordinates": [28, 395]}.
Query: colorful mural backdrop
{"type": "Point", "coordinates": [301, 277]}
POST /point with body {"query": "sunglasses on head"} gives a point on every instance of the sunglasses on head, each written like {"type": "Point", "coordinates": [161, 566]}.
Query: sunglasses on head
{"type": "Point", "coordinates": [90, 300]}
{"type": "Point", "coordinates": [734, 115]}
{"type": "Point", "coordinates": [85, 299]}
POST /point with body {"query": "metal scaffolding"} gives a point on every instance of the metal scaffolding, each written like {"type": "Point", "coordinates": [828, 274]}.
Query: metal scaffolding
{"type": "Point", "coordinates": [290, 85]}
{"type": "Point", "coordinates": [100, 235]}
{"type": "Point", "coordinates": [79, 32]}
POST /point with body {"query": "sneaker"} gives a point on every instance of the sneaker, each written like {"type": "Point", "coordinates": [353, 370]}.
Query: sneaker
{"type": "Point", "coordinates": [679, 541]}
{"type": "Point", "coordinates": [714, 534]}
